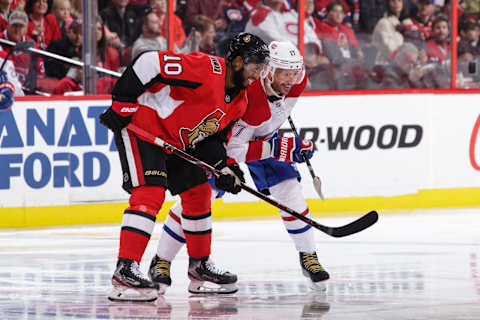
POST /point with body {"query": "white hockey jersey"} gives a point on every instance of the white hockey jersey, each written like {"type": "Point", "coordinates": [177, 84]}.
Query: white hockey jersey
{"type": "Point", "coordinates": [9, 68]}
{"type": "Point", "coordinates": [279, 26]}
{"type": "Point", "coordinates": [260, 122]}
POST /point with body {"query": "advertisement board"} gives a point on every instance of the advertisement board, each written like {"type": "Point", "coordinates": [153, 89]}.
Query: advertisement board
{"type": "Point", "coordinates": [54, 152]}
{"type": "Point", "coordinates": [57, 153]}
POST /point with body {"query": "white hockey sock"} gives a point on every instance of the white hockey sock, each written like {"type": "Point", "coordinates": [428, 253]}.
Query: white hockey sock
{"type": "Point", "coordinates": [172, 238]}
{"type": "Point", "coordinates": [300, 232]}
{"type": "Point", "coordinates": [289, 192]}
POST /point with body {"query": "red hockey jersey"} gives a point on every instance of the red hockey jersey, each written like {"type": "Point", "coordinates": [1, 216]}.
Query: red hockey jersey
{"type": "Point", "coordinates": [437, 52]}
{"type": "Point", "coordinates": [181, 97]}
{"type": "Point", "coordinates": [341, 35]}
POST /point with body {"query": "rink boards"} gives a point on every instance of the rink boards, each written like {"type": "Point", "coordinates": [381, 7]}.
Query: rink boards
{"type": "Point", "coordinates": [59, 165]}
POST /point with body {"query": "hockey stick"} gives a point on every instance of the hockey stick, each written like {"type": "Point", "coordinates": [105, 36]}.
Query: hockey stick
{"type": "Point", "coordinates": [317, 184]}
{"type": "Point", "coordinates": [356, 226]}
{"type": "Point", "coordinates": [21, 46]}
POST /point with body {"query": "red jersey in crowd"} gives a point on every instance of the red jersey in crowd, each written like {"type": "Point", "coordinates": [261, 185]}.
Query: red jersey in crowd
{"type": "Point", "coordinates": [51, 31]}
{"type": "Point", "coordinates": [437, 52]}
{"type": "Point", "coordinates": [112, 59]}
{"type": "Point", "coordinates": [425, 28]}
{"type": "Point", "coordinates": [178, 33]}
{"type": "Point", "coordinates": [67, 84]}
{"type": "Point", "coordinates": [342, 35]}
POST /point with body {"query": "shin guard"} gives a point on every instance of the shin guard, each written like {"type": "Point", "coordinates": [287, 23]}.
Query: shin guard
{"type": "Point", "coordinates": [289, 192]}
{"type": "Point", "coordinates": [172, 238]}
{"type": "Point", "coordinates": [139, 221]}
{"type": "Point", "coordinates": [197, 220]}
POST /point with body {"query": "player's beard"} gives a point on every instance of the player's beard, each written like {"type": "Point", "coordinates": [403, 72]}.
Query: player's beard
{"type": "Point", "coordinates": [239, 79]}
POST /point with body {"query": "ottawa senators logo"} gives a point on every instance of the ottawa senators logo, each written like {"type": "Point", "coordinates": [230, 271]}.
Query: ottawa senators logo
{"type": "Point", "coordinates": [207, 127]}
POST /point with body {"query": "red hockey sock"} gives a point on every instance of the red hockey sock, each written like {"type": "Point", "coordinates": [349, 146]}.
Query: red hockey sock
{"type": "Point", "coordinates": [197, 220]}
{"type": "Point", "coordinates": [139, 220]}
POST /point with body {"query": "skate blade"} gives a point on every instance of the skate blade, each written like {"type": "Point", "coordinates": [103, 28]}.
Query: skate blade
{"type": "Point", "coordinates": [162, 288]}
{"type": "Point", "coordinates": [320, 286]}
{"type": "Point", "coordinates": [206, 287]}
{"type": "Point", "coordinates": [122, 293]}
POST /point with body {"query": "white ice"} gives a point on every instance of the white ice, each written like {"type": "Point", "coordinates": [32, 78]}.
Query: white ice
{"type": "Point", "coordinates": [424, 264]}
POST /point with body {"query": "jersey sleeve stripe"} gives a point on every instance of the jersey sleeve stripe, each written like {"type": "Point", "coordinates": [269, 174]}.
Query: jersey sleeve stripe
{"type": "Point", "coordinates": [175, 82]}
{"type": "Point", "coordinates": [254, 151]}
{"type": "Point", "coordinates": [128, 88]}
{"type": "Point", "coordinates": [147, 66]}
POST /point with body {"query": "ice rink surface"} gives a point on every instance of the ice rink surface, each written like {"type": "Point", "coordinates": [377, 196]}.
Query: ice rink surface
{"type": "Point", "coordinates": [411, 266]}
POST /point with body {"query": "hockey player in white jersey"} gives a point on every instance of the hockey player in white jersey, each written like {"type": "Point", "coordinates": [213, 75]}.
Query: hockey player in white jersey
{"type": "Point", "coordinates": [9, 84]}
{"type": "Point", "coordinates": [270, 159]}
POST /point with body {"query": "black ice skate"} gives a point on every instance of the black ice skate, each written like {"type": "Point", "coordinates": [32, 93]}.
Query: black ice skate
{"type": "Point", "coordinates": [129, 284]}
{"type": "Point", "coordinates": [207, 278]}
{"type": "Point", "coordinates": [159, 273]}
{"type": "Point", "coordinates": [312, 269]}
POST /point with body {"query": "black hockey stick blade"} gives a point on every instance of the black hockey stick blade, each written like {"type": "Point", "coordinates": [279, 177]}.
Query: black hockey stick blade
{"type": "Point", "coordinates": [353, 227]}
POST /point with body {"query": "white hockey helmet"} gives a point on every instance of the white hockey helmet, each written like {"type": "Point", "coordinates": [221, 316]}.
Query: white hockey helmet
{"type": "Point", "coordinates": [284, 55]}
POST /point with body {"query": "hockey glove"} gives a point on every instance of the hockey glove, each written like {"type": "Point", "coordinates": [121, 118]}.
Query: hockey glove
{"type": "Point", "coordinates": [118, 116]}
{"type": "Point", "coordinates": [230, 179]}
{"type": "Point", "coordinates": [6, 92]}
{"type": "Point", "coordinates": [291, 149]}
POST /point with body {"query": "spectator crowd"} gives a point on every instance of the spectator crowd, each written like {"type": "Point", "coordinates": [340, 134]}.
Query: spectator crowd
{"type": "Point", "coordinates": [349, 44]}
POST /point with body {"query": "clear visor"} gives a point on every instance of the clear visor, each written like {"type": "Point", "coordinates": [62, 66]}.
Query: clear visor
{"type": "Point", "coordinates": [293, 75]}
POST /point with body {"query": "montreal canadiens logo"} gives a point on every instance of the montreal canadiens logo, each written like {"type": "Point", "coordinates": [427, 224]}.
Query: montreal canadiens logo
{"type": "Point", "coordinates": [292, 28]}
{"type": "Point", "coordinates": [474, 149]}
{"type": "Point", "coordinates": [234, 15]}
{"type": "Point", "coordinates": [205, 128]}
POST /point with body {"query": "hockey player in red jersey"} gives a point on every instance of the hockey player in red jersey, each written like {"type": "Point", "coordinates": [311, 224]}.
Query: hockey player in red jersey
{"type": "Point", "coordinates": [191, 102]}
{"type": "Point", "coordinates": [270, 159]}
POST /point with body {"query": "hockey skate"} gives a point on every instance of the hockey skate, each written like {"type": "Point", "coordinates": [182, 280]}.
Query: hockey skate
{"type": "Point", "coordinates": [313, 270]}
{"type": "Point", "coordinates": [159, 273]}
{"type": "Point", "coordinates": [129, 284]}
{"type": "Point", "coordinates": [207, 278]}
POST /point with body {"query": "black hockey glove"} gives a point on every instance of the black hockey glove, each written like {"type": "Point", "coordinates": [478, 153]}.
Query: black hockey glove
{"type": "Point", "coordinates": [230, 179]}
{"type": "Point", "coordinates": [118, 116]}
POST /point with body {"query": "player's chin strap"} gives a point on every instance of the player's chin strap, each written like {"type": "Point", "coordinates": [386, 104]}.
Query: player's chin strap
{"type": "Point", "coordinates": [356, 226]}
{"type": "Point", "coordinates": [267, 83]}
